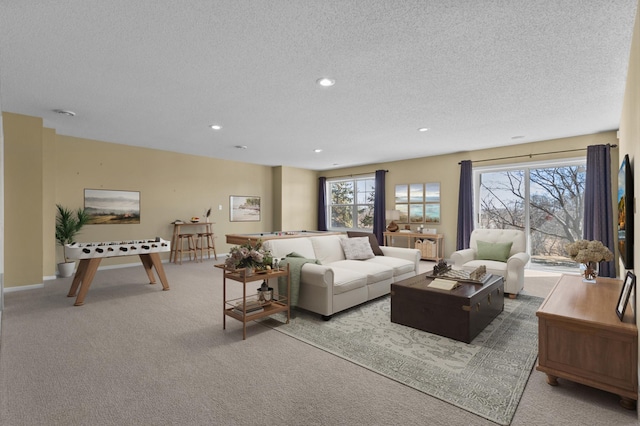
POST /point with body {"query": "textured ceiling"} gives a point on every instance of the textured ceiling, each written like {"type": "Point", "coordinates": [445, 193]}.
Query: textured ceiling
{"type": "Point", "coordinates": [158, 73]}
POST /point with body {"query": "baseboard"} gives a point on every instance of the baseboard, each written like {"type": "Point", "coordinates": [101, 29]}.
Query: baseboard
{"type": "Point", "coordinates": [102, 268]}
{"type": "Point", "coordinates": [23, 287]}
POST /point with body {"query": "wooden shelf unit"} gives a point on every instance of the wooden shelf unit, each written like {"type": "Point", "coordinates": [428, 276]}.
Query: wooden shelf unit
{"type": "Point", "coordinates": [582, 339]}
{"type": "Point", "coordinates": [411, 238]}
{"type": "Point", "coordinates": [279, 302]}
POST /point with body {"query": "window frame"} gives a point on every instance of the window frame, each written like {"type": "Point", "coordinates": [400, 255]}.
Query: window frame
{"type": "Point", "coordinates": [354, 206]}
{"type": "Point", "coordinates": [526, 167]}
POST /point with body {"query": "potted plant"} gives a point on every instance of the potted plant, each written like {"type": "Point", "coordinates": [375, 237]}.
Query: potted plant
{"type": "Point", "coordinates": [68, 225]}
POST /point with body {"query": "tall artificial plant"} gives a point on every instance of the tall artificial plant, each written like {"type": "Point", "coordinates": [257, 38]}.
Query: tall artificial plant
{"type": "Point", "coordinates": [68, 225]}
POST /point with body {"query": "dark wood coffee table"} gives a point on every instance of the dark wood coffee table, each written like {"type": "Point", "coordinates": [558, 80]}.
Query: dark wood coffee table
{"type": "Point", "coordinates": [460, 314]}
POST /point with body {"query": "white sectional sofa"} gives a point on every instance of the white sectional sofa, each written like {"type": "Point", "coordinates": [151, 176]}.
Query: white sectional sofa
{"type": "Point", "coordinates": [338, 283]}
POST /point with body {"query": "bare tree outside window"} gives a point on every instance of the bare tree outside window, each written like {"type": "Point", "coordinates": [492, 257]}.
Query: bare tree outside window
{"type": "Point", "coordinates": [555, 207]}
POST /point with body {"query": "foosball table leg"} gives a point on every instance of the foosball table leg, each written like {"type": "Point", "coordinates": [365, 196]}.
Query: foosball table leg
{"type": "Point", "coordinates": [77, 278]}
{"type": "Point", "coordinates": [148, 267]}
{"type": "Point", "coordinates": [155, 261]}
{"type": "Point", "coordinates": [88, 271]}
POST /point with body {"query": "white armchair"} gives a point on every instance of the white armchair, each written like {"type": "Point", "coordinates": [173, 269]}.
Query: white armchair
{"type": "Point", "coordinates": [490, 247]}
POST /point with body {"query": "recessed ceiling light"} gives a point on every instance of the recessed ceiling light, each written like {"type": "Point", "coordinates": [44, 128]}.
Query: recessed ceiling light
{"type": "Point", "coordinates": [216, 127]}
{"type": "Point", "coordinates": [65, 112]}
{"type": "Point", "coordinates": [241, 146]}
{"type": "Point", "coordinates": [317, 150]}
{"type": "Point", "coordinates": [326, 82]}
{"type": "Point", "coordinates": [423, 129]}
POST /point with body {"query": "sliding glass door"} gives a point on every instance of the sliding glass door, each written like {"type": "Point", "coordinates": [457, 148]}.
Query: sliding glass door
{"type": "Point", "coordinates": [545, 200]}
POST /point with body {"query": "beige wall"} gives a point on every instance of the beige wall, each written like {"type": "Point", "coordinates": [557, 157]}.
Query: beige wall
{"type": "Point", "coordinates": [178, 186]}
{"type": "Point", "coordinates": [445, 169]}
{"type": "Point", "coordinates": [277, 198]}
{"type": "Point", "coordinates": [43, 168]}
{"type": "Point", "coordinates": [23, 198]}
{"type": "Point", "coordinates": [294, 208]}
{"type": "Point", "coordinates": [49, 201]}
{"type": "Point", "coordinates": [172, 186]}
{"type": "Point", "coordinates": [630, 140]}
{"type": "Point", "coordinates": [630, 124]}
{"type": "Point", "coordinates": [299, 199]}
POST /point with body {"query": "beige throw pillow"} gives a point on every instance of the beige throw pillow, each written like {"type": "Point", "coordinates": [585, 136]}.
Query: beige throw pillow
{"type": "Point", "coordinates": [373, 241]}
{"type": "Point", "coordinates": [357, 248]}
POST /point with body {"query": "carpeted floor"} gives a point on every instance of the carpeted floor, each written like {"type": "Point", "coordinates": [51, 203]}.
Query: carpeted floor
{"type": "Point", "coordinates": [486, 377]}
{"type": "Point", "coordinates": [137, 355]}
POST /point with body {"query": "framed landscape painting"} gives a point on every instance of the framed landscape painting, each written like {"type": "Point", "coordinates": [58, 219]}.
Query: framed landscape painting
{"type": "Point", "coordinates": [110, 207]}
{"type": "Point", "coordinates": [244, 208]}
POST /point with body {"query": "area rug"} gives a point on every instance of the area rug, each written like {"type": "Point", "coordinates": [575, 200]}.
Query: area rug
{"type": "Point", "coordinates": [486, 377]}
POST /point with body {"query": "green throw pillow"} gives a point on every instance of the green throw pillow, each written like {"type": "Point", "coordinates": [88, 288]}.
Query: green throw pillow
{"type": "Point", "coordinates": [493, 251]}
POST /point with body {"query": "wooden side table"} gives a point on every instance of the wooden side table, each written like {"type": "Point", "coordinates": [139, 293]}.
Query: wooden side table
{"type": "Point", "coordinates": [279, 303]}
{"type": "Point", "coordinates": [582, 339]}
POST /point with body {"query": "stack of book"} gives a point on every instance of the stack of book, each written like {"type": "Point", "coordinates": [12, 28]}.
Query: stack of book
{"type": "Point", "coordinates": [251, 307]}
{"type": "Point", "coordinates": [443, 284]}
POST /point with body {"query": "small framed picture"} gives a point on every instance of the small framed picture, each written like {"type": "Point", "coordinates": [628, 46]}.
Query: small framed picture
{"type": "Point", "coordinates": [244, 208]}
{"type": "Point", "coordinates": [627, 287]}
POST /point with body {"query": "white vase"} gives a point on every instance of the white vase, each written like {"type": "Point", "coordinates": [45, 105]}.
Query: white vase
{"type": "Point", "coordinates": [65, 269]}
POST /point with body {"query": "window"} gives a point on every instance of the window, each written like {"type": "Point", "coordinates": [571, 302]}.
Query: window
{"type": "Point", "coordinates": [350, 203]}
{"type": "Point", "coordinates": [543, 199]}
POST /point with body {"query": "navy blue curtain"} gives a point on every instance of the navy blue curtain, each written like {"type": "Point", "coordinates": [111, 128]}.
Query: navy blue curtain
{"type": "Point", "coordinates": [598, 211]}
{"type": "Point", "coordinates": [322, 204]}
{"type": "Point", "coordinates": [379, 204]}
{"type": "Point", "coordinates": [465, 206]}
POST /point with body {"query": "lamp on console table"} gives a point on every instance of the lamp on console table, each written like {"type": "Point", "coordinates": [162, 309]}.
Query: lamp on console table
{"type": "Point", "coordinates": [392, 215]}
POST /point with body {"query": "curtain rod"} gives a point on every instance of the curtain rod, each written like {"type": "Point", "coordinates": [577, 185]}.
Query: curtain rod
{"type": "Point", "coordinates": [357, 174]}
{"type": "Point", "coordinates": [531, 155]}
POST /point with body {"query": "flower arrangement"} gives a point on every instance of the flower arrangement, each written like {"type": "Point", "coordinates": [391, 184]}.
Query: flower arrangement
{"type": "Point", "coordinates": [249, 255]}
{"type": "Point", "coordinates": [584, 251]}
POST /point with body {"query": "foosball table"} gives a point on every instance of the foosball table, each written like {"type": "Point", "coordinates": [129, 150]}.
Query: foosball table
{"type": "Point", "coordinates": [91, 254]}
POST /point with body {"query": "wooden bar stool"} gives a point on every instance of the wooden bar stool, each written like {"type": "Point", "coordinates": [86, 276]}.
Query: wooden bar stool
{"type": "Point", "coordinates": [191, 247]}
{"type": "Point", "coordinates": [206, 242]}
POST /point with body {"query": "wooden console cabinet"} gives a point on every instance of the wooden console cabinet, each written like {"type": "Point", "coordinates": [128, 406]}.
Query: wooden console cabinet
{"type": "Point", "coordinates": [582, 339]}
{"type": "Point", "coordinates": [411, 238]}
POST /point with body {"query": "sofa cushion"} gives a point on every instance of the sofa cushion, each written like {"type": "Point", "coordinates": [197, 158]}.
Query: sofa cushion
{"type": "Point", "coordinates": [399, 266]}
{"type": "Point", "coordinates": [373, 241]}
{"type": "Point", "coordinates": [345, 280]}
{"type": "Point", "coordinates": [327, 248]}
{"type": "Point", "coordinates": [493, 251]}
{"type": "Point", "coordinates": [357, 248]}
{"type": "Point", "coordinates": [282, 247]}
{"type": "Point", "coordinates": [375, 272]}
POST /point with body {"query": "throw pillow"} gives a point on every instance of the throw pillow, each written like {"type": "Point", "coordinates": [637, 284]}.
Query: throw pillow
{"type": "Point", "coordinates": [357, 248]}
{"type": "Point", "coordinates": [493, 251]}
{"type": "Point", "coordinates": [373, 241]}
